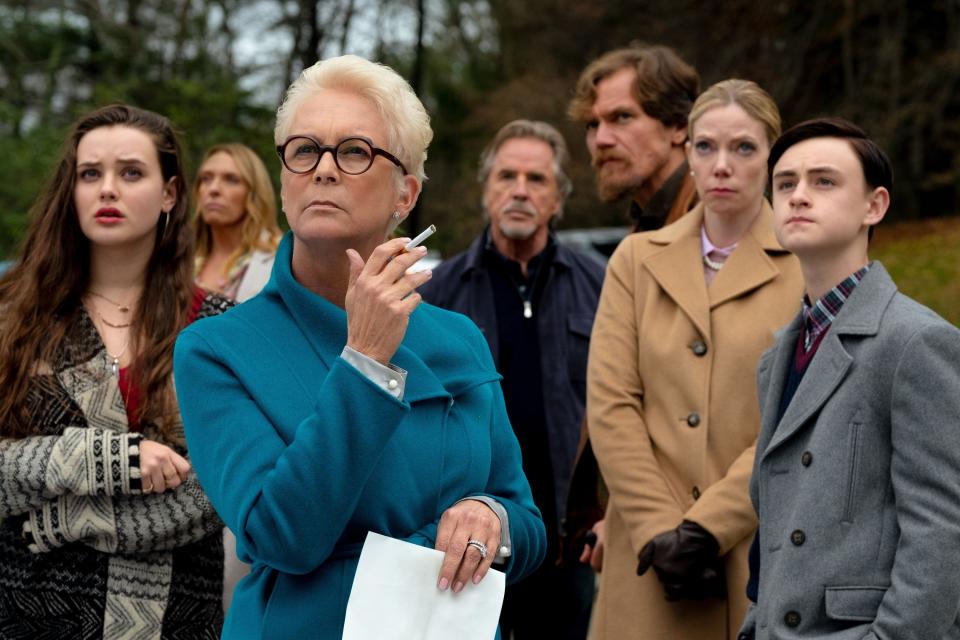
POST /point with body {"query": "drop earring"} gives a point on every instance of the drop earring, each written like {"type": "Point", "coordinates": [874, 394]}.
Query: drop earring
{"type": "Point", "coordinates": [162, 225]}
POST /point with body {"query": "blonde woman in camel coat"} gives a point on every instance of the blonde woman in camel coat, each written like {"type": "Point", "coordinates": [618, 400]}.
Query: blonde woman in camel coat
{"type": "Point", "coordinates": [672, 401]}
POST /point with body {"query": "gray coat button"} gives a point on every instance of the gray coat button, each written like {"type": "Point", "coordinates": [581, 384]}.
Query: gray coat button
{"type": "Point", "coordinates": [806, 458]}
{"type": "Point", "coordinates": [699, 348]}
{"type": "Point", "coordinates": [798, 537]}
{"type": "Point", "coordinates": [693, 419]}
{"type": "Point", "coordinates": [792, 619]}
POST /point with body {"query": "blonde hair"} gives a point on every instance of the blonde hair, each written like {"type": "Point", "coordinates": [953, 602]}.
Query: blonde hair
{"type": "Point", "coordinates": [260, 229]}
{"type": "Point", "coordinates": [746, 94]}
{"type": "Point", "coordinates": [406, 119]}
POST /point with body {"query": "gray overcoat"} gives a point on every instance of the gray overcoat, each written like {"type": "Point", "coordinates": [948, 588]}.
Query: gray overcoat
{"type": "Point", "coordinates": [858, 486]}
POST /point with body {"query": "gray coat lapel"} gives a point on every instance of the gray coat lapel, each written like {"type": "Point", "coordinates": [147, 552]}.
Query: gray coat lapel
{"type": "Point", "coordinates": [827, 370]}
{"type": "Point", "coordinates": [860, 315]}
{"type": "Point", "coordinates": [772, 378]}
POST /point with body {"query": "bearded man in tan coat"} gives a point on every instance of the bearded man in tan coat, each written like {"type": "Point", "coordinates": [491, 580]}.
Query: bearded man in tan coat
{"type": "Point", "coordinates": [672, 406]}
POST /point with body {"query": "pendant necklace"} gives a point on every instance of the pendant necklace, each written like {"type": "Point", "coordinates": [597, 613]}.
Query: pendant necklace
{"type": "Point", "coordinates": [115, 365]}
{"type": "Point", "coordinates": [527, 291]}
{"type": "Point", "coordinates": [122, 308]}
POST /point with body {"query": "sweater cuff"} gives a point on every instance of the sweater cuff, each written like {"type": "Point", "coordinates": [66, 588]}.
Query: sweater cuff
{"type": "Point", "coordinates": [45, 529]}
{"type": "Point", "coordinates": [135, 478]}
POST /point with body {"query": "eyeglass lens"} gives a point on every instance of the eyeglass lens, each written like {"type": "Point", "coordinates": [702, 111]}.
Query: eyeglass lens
{"type": "Point", "coordinates": [352, 155]}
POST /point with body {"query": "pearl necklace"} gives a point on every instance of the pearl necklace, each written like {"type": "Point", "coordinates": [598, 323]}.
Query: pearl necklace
{"type": "Point", "coordinates": [712, 264]}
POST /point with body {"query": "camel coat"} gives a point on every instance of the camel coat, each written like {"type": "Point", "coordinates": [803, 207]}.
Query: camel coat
{"type": "Point", "coordinates": [673, 413]}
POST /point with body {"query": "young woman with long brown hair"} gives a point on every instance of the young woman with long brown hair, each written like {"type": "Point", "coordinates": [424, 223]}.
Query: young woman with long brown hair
{"type": "Point", "coordinates": [104, 531]}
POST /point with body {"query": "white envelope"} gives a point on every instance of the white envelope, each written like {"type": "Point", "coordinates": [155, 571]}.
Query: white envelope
{"type": "Point", "coordinates": [395, 597]}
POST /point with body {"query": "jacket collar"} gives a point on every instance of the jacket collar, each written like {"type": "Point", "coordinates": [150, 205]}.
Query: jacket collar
{"type": "Point", "coordinates": [747, 268]}
{"type": "Point", "coordinates": [861, 315]}
{"type": "Point", "coordinates": [654, 214]}
{"type": "Point", "coordinates": [474, 254]}
{"type": "Point", "coordinates": [431, 353]}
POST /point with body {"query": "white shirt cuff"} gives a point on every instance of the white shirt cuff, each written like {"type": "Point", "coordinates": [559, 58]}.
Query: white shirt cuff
{"type": "Point", "coordinates": [388, 377]}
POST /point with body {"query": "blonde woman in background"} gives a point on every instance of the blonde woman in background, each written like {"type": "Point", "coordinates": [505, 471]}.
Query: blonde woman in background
{"type": "Point", "coordinates": [672, 406]}
{"type": "Point", "coordinates": [236, 222]}
{"type": "Point", "coordinates": [236, 239]}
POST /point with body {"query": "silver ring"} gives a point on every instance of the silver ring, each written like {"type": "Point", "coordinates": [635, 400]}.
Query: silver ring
{"type": "Point", "coordinates": [482, 548]}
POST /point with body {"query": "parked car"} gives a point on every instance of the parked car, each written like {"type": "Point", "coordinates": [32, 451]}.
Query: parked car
{"type": "Point", "coordinates": [598, 242]}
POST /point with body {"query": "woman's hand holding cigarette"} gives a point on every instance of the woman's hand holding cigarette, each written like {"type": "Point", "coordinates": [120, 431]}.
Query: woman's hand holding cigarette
{"type": "Point", "coordinates": [381, 295]}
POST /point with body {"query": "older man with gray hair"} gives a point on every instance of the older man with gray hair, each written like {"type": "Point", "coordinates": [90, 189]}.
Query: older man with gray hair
{"type": "Point", "coordinates": [534, 300]}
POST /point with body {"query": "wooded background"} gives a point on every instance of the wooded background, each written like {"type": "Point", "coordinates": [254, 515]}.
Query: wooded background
{"type": "Point", "coordinates": [217, 68]}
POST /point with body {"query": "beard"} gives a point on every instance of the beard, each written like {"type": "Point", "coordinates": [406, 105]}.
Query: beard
{"type": "Point", "coordinates": [617, 179]}
{"type": "Point", "coordinates": [514, 231]}
{"type": "Point", "coordinates": [611, 188]}
{"type": "Point", "coordinates": [518, 230]}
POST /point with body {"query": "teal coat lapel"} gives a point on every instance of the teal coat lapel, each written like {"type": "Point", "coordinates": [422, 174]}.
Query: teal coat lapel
{"type": "Point", "coordinates": [431, 372]}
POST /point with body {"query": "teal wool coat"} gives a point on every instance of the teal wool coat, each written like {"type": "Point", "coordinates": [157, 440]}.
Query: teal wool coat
{"type": "Point", "coordinates": [302, 455]}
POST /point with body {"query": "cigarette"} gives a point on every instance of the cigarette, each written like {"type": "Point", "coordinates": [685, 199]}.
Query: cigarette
{"type": "Point", "coordinates": [426, 233]}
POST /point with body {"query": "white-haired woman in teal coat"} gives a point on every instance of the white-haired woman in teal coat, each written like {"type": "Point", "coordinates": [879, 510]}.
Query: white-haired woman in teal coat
{"type": "Point", "coordinates": [334, 403]}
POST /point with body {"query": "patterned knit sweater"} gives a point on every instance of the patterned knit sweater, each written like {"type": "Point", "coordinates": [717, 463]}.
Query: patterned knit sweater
{"type": "Point", "coordinates": [84, 554]}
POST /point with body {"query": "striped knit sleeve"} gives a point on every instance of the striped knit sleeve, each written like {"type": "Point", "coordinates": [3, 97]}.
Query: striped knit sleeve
{"type": "Point", "coordinates": [81, 461]}
{"type": "Point", "coordinates": [125, 524]}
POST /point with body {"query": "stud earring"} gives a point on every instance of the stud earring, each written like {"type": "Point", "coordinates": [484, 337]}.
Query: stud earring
{"type": "Point", "coordinates": [396, 217]}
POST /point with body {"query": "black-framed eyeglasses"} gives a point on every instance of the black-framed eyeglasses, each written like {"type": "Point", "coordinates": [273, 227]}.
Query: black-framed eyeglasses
{"type": "Point", "coordinates": [353, 156]}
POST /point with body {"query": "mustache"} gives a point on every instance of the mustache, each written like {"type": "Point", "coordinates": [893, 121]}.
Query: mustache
{"type": "Point", "coordinates": [519, 205]}
{"type": "Point", "coordinates": [604, 155]}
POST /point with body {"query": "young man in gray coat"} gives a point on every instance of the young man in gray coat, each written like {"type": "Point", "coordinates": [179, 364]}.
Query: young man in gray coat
{"type": "Point", "coordinates": [857, 474]}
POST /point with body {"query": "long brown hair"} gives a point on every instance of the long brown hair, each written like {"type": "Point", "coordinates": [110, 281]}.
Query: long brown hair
{"type": "Point", "coordinates": [42, 293]}
{"type": "Point", "coordinates": [260, 214]}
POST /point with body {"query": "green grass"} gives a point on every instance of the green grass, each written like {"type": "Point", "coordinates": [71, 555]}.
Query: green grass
{"type": "Point", "coordinates": [924, 260]}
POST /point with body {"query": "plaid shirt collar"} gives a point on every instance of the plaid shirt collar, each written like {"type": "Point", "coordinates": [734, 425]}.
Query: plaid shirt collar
{"type": "Point", "coordinates": [818, 316]}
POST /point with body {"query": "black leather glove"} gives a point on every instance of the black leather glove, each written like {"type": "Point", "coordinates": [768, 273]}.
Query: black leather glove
{"type": "Point", "coordinates": [686, 562]}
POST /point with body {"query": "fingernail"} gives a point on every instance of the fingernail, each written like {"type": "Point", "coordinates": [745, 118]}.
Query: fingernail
{"type": "Point", "coordinates": [476, 579]}
{"type": "Point", "coordinates": [420, 249]}
{"type": "Point", "coordinates": [428, 273]}
{"type": "Point", "coordinates": [457, 587]}
{"type": "Point", "coordinates": [443, 584]}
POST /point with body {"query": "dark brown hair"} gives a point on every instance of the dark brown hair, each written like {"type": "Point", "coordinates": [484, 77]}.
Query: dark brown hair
{"type": "Point", "coordinates": [665, 86]}
{"type": "Point", "coordinates": [877, 170]}
{"type": "Point", "coordinates": [42, 292]}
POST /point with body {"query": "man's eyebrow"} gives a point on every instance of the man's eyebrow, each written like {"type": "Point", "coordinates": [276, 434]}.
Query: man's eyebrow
{"type": "Point", "coordinates": [621, 107]}
{"type": "Point", "coordinates": [820, 169]}
{"type": "Point", "coordinates": [785, 173]}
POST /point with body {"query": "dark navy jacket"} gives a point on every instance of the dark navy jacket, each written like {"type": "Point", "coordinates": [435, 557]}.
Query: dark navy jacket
{"type": "Point", "coordinates": [565, 314]}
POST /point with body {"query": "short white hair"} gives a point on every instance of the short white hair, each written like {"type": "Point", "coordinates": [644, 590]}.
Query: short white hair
{"type": "Point", "coordinates": [407, 122]}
